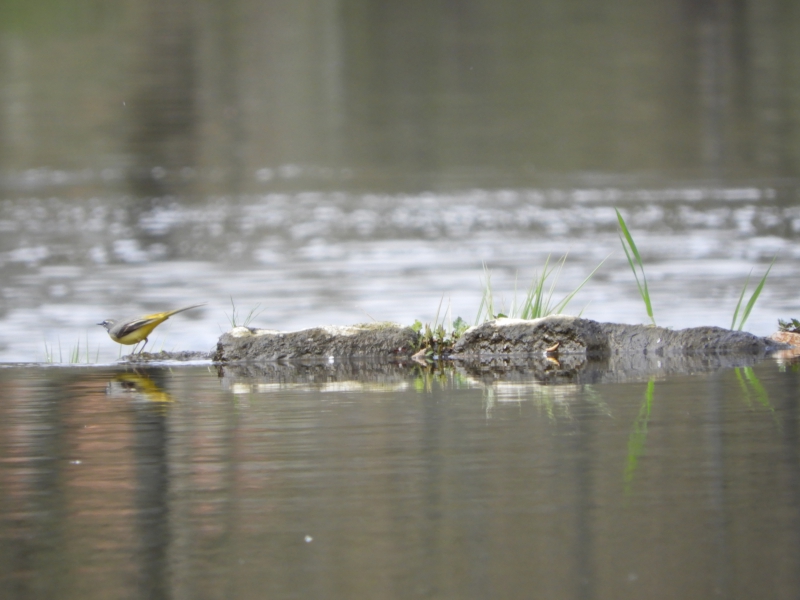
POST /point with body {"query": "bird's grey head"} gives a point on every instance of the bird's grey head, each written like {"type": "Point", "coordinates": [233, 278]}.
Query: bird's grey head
{"type": "Point", "coordinates": [108, 324]}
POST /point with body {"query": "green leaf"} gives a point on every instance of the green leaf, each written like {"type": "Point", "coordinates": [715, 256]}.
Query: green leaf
{"type": "Point", "coordinates": [751, 303]}
{"type": "Point", "coordinates": [634, 261]}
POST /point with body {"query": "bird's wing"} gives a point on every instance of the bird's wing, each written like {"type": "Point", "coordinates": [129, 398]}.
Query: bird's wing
{"type": "Point", "coordinates": [136, 324]}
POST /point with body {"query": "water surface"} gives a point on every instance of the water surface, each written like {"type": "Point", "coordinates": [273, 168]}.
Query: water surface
{"type": "Point", "coordinates": [338, 481]}
{"type": "Point", "coordinates": [344, 161]}
{"type": "Point", "coordinates": [308, 259]}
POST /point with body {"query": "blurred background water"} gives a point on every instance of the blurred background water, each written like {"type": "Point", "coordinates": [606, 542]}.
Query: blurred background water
{"type": "Point", "coordinates": [335, 162]}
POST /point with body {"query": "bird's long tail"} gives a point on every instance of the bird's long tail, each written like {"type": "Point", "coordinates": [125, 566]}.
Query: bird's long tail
{"type": "Point", "coordinates": [174, 312]}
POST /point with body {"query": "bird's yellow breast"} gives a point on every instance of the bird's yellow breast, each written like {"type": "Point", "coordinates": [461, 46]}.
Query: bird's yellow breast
{"type": "Point", "coordinates": [135, 332]}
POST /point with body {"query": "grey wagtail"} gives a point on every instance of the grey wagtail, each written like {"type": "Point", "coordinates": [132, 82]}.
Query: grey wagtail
{"type": "Point", "coordinates": [134, 330]}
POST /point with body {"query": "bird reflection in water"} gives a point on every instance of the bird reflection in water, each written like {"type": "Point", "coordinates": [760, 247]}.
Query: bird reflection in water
{"type": "Point", "coordinates": [138, 386]}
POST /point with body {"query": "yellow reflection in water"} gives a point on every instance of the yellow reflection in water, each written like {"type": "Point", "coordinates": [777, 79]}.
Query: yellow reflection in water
{"type": "Point", "coordinates": [141, 386]}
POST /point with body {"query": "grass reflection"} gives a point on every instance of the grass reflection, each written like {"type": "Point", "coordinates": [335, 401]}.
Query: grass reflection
{"type": "Point", "coordinates": [752, 390]}
{"type": "Point", "coordinates": [444, 376]}
{"type": "Point", "coordinates": [638, 436]}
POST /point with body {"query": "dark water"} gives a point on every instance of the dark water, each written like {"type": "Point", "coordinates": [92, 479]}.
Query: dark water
{"type": "Point", "coordinates": [396, 482]}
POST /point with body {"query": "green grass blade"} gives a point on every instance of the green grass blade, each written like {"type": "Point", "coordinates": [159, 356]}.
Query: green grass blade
{"type": "Point", "coordinates": [628, 237]}
{"type": "Point", "coordinates": [538, 301]}
{"type": "Point", "coordinates": [568, 298]}
{"type": "Point", "coordinates": [486, 298]}
{"type": "Point", "coordinates": [478, 317]}
{"type": "Point", "coordinates": [741, 297]}
{"type": "Point", "coordinates": [632, 265]}
{"type": "Point", "coordinates": [557, 269]}
{"type": "Point", "coordinates": [629, 246]}
{"type": "Point", "coordinates": [756, 293]}
{"type": "Point", "coordinates": [254, 312]}
{"type": "Point", "coordinates": [232, 317]}
{"type": "Point", "coordinates": [438, 310]}
{"type": "Point", "coordinates": [486, 307]}
{"type": "Point", "coordinates": [538, 305]}
{"type": "Point", "coordinates": [535, 305]}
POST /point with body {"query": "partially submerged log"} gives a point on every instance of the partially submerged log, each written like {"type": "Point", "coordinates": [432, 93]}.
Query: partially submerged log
{"type": "Point", "coordinates": [553, 335]}
{"type": "Point", "coordinates": [320, 343]}
{"type": "Point", "coordinates": [559, 339]}
{"type": "Point", "coordinates": [574, 335]}
{"type": "Point", "coordinates": [561, 349]}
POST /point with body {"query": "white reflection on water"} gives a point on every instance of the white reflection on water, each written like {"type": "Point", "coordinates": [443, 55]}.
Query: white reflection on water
{"type": "Point", "coordinates": [315, 258]}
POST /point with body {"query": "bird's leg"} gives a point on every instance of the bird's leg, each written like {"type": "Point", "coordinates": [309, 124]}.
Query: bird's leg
{"type": "Point", "coordinates": [145, 344]}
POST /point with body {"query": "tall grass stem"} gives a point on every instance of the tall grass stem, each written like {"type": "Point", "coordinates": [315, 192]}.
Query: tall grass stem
{"type": "Point", "coordinates": [634, 261]}
{"type": "Point", "coordinates": [738, 325]}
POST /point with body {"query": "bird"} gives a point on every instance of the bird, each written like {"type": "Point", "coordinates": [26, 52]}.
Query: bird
{"type": "Point", "coordinates": [133, 330]}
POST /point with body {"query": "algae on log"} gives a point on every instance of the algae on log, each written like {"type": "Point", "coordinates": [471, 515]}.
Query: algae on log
{"type": "Point", "coordinates": [554, 336]}
{"type": "Point", "coordinates": [504, 337]}
{"type": "Point", "coordinates": [374, 340]}
{"type": "Point", "coordinates": [638, 339]}
{"type": "Point", "coordinates": [574, 335]}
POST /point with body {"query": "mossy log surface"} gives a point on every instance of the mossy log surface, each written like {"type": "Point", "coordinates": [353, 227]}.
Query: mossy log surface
{"type": "Point", "coordinates": [555, 349]}
{"type": "Point", "coordinates": [555, 337]}
{"type": "Point", "coordinates": [319, 343]}
{"type": "Point", "coordinates": [574, 335]}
